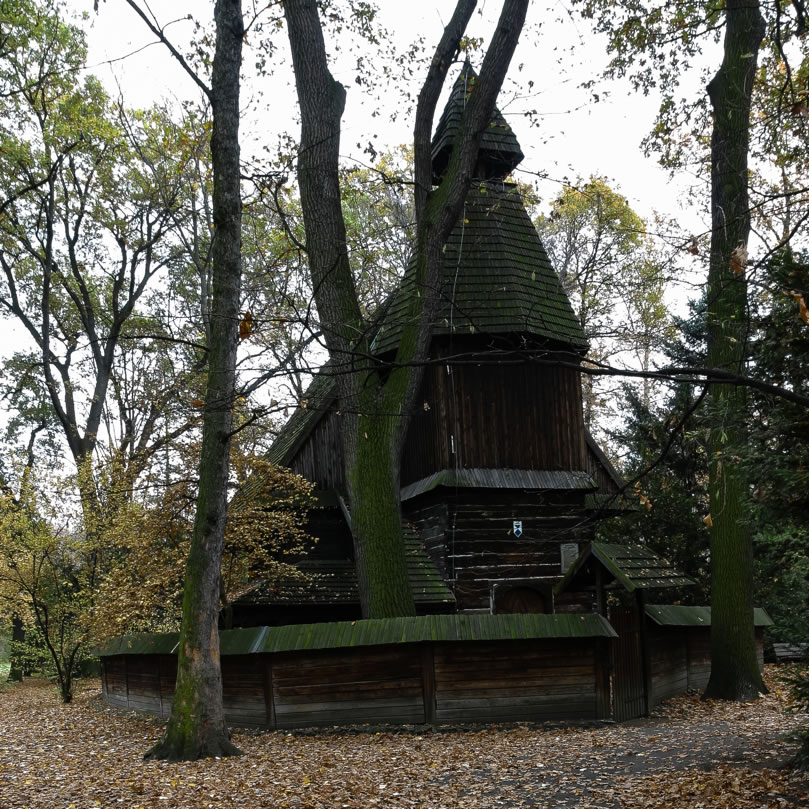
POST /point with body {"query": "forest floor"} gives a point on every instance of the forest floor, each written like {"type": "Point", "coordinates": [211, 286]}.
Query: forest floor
{"type": "Point", "coordinates": [688, 755]}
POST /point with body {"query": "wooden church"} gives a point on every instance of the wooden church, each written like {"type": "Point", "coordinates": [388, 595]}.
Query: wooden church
{"type": "Point", "coordinates": [501, 490]}
{"type": "Point", "coordinates": [501, 484]}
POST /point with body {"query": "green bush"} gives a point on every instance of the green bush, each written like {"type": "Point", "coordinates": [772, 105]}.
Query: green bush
{"type": "Point", "coordinates": [797, 679]}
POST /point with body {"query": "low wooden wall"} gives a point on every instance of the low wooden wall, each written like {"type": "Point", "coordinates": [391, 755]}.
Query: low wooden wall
{"type": "Point", "coordinates": [412, 683]}
{"type": "Point", "coordinates": [680, 660]}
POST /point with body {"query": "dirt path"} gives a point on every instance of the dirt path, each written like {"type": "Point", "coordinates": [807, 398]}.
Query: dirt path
{"type": "Point", "coordinates": [689, 755]}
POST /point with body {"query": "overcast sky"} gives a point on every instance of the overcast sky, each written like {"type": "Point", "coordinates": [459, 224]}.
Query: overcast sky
{"type": "Point", "coordinates": [570, 136]}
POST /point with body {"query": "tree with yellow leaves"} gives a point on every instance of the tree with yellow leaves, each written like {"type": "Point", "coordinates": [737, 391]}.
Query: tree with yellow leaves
{"type": "Point", "coordinates": [147, 546]}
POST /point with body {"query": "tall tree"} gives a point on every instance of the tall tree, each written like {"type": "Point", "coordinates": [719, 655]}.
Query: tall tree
{"type": "Point", "coordinates": [46, 582]}
{"type": "Point", "coordinates": [613, 275]}
{"type": "Point", "coordinates": [669, 37]}
{"type": "Point", "coordinates": [734, 667]}
{"type": "Point", "coordinates": [376, 401]}
{"type": "Point", "coordinates": [196, 727]}
{"type": "Point", "coordinates": [83, 236]}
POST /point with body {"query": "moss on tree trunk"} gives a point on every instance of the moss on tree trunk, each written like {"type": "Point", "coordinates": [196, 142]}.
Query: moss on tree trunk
{"type": "Point", "coordinates": [196, 727]}
{"type": "Point", "coordinates": [376, 522]}
{"type": "Point", "coordinates": [734, 669]}
{"type": "Point", "coordinates": [376, 402]}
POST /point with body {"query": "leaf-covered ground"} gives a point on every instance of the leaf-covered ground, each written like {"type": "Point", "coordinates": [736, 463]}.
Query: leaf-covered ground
{"type": "Point", "coordinates": [689, 755]}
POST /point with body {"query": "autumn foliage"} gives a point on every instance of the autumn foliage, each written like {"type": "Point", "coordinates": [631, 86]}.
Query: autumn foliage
{"type": "Point", "coordinates": [148, 545]}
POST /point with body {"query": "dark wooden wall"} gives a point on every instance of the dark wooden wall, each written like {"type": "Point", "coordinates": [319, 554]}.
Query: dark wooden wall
{"type": "Point", "coordinates": [699, 655]}
{"type": "Point", "coordinates": [496, 417]}
{"type": "Point", "coordinates": [320, 459]}
{"type": "Point", "coordinates": [417, 683]}
{"type": "Point", "coordinates": [524, 416]}
{"type": "Point", "coordinates": [377, 684]}
{"type": "Point", "coordinates": [668, 662]}
{"type": "Point", "coordinates": [469, 535]}
{"type": "Point", "coordinates": [597, 471]}
{"type": "Point", "coordinates": [553, 682]}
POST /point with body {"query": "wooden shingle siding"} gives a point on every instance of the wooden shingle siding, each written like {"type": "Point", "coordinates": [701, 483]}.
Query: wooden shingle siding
{"type": "Point", "coordinates": [518, 417]}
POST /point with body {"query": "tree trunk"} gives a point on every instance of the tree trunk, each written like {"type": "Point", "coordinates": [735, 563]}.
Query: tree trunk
{"type": "Point", "coordinates": [734, 669]}
{"type": "Point", "coordinates": [196, 728]}
{"type": "Point", "coordinates": [376, 405]}
{"type": "Point", "coordinates": [16, 672]}
{"type": "Point", "coordinates": [376, 520]}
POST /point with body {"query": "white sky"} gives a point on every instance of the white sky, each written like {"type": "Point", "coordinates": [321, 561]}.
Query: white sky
{"type": "Point", "coordinates": [575, 137]}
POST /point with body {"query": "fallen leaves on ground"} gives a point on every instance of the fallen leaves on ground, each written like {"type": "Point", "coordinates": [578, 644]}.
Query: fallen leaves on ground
{"type": "Point", "coordinates": [688, 755]}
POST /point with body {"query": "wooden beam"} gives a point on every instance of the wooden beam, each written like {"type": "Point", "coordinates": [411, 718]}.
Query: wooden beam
{"type": "Point", "coordinates": [428, 682]}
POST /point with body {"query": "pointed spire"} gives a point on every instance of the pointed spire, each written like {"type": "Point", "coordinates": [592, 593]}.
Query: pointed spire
{"type": "Point", "coordinates": [500, 152]}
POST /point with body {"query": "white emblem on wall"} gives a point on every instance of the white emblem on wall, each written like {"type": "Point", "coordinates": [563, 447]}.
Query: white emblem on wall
{"type": "Point", "coordinates": [517, 528]}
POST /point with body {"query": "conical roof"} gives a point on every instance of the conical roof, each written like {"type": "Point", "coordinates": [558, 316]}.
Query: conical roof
{"type": "Point", "coordinates": [500, 152]}
{"type": "Point", "coordinates": [497, 278]}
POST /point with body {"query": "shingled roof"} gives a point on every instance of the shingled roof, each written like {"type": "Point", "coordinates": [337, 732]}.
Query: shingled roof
{"type": "Point", "coordinates": [679, 615]}
{"type": "Point", "coordinates": [334, 581]}
{"type": "Point", "coordinates": [374, 632]}
{"type": "Point", "coordinates": [465, 478]}
{"type": "Point", "coordinates": [497, 278]}
{"type": "Point", "coordinates": [499, 152]}
{"type": "Point", "coordinates": [633, 566]}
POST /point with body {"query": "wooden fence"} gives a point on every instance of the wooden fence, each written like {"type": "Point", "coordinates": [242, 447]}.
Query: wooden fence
{"type": "Point", "coordinates": [434, 669]}
{"type": "Point", "coordinates": [680, 648]}
{"type": "Point", "coordinates": [463, 669]}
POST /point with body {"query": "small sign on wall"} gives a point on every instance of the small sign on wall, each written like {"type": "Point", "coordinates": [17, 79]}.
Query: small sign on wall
{"type": "Point", "coordinates": [570, 550]}
{"type": "Point", "coordinates": [517, 528]}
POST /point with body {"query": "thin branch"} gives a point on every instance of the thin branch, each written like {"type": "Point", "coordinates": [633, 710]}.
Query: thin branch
{"type": "Point", "coordinates": [158, 32]}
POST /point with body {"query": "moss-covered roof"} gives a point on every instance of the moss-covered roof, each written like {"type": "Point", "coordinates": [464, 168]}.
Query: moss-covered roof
{"type": "Point", "coordinates": [139, 643]}
{"type": "Point", "coordinates": [678, 615]}
{"type": "Point", "coordinates": [497, 278]}
{"type": "Point", "coordinates": [633, 566]}
{"type": "Point", "coordinates": [334, 581]}
{"type": "Point", "coordinates": [499, 150]}
{"type": "Point", "coordinates": [376, 632]}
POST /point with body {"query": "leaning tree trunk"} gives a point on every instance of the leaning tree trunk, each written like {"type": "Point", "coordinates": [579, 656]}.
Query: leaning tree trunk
{"type": "Point", "coordinates": [734, 668]}
{"type": "Point", "coordinates": [197, 728]}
